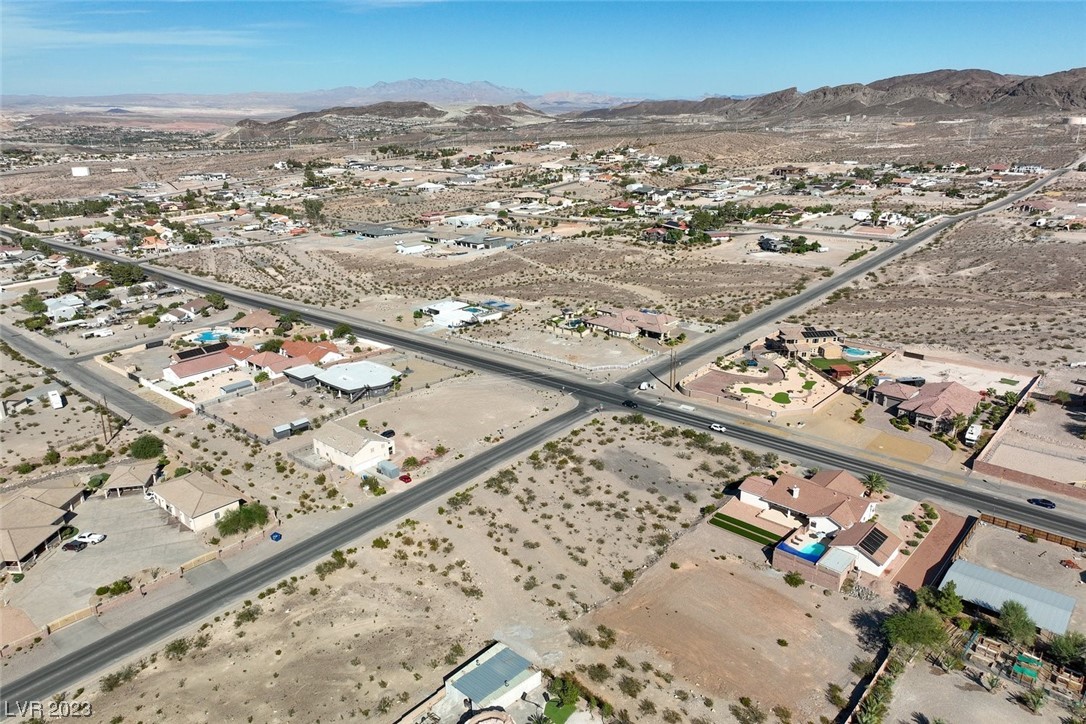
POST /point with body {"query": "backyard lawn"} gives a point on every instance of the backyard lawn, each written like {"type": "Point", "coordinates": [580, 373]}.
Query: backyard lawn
{"type": "Point", "coordinates": [781, 398]}
{"type": "Point", "coordinates": [559, 714]}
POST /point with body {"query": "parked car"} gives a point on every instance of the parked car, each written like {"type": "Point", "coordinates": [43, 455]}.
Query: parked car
{"type": "Point", "coordinates": [92, 538]}
{"type": "Point", "coordinates": [629, 403]}
{"type": "Point", "coordinates": [388, 433]}
{"type": "Point", "coordinates": [405, 478]}
{"type": "Point", "coordinates": [74, 545]}
{"type": "Point", "coordinates": [717, 427]}
{"type": "Point", "coordinates": [1042, 503]}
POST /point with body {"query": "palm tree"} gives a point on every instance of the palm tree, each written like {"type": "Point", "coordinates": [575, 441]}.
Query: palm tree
{"type": "Point", "coordinates": [1029, 407]}
{"type": "Point", "coordinates": [875, 483]}
{"type": "Point", "coordinates": [538, 718]}
{"type": "Point", "coordinates": [990, 393]}
{"type": "Point", "coordinates": [1011, 398]}
{"type": "Point", "coordinates": [959, 422]}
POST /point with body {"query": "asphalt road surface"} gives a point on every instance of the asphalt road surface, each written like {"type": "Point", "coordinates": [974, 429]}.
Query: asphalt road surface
{"type": "Point", "coordinates": [96, 385]}
{"type": "Point", "coordinates": [114, 647]}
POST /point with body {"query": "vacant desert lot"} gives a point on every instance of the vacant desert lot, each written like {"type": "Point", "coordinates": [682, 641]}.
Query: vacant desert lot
{"type": "Point", "coordinates": [991, 287]}
{"type": "Point", "coordinates": [724, 620]}
{"type": "Point", "coordinates": [521, 556]}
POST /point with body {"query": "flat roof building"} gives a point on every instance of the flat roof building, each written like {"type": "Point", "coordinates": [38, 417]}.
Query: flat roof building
{"type": "Point", "coordinates": [358, 379]}
{"type": "Point", "coordinates": [496, 678]}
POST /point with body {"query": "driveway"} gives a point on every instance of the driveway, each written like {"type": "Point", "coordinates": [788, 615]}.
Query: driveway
{"type": "Point", "coordinates": [140, 536]}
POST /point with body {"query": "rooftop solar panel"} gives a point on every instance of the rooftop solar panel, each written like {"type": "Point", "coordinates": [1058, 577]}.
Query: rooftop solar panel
{"type": "Point", "coordinates": [872, 541]}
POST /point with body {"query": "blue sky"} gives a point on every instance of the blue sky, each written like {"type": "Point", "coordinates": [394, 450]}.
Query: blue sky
{"type": "Point", "coordinates": [659, 49]}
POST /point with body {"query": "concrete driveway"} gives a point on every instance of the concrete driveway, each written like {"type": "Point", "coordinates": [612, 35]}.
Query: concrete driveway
{"type": "Point", "coordinates": [140, 536]}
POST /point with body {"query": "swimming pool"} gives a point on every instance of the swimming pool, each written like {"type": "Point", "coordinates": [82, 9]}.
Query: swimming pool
{"type": "Point", "coordinates": [810, 552]}
{"type": "Point", "coordinates": [858, 353]}
{"type": "Point", "coordinates": [209, 336]}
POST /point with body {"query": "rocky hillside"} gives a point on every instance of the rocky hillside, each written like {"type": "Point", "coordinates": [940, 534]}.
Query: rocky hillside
{"type": "Point", "coordinates": [949, 92]}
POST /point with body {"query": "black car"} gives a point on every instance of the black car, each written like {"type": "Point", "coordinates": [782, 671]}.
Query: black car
{"type": "Point", "coordinates": [629, 403]}
{"type": "Point", "coordinates": [74, 545]}
{"type": "Point", "coordinates": [1042, 503]}
{"type": "Point", "coordinates": [388, 433]}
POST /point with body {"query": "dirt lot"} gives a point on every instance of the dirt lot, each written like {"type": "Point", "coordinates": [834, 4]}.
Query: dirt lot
{"type": "Point", "coordinates": [73, 431]}
{"type": "Point", "coordinates": [991, 287]}
{"type": "Point", "coordinates": [695, 283]}
{"type": "Point", "coordinates": [719, 620]}
{"type": "Point", "coordinates": [927, 693]}
{"type": "Point", "coordinates": [520, 557]}
{"type": "Point", "coordinates": [1008, 552]}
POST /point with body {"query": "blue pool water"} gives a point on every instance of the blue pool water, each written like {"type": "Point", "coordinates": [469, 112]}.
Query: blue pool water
{"type": "Point", "coordinates": [857, 352]}
{"type": "Point", "coordinates": [810, 552]}
{"type": "Point", "coordinates": [209, 336]}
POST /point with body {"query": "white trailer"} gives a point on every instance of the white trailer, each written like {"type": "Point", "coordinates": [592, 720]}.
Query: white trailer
{"type": "Point", "coordinates": [56, 400]}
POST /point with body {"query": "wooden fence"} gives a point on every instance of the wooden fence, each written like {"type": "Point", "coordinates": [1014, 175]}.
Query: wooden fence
{"type": "Point", "coordinates": [1036, 532]}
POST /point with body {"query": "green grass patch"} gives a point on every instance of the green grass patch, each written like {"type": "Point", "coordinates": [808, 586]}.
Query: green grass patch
{"type": "Point", "coordinates": [1005, 381]}
{"type": "Point", "coordinates": [745, 530]}
{"type": "Point", "coordinates": [781, 398]}
{"type": "Point", "coordinates": [743, 524]}
{"type": "Point", "coordinates": [559, 714]}
{"type": "Point", "coordinates": [809, 384]}
{"type": "Point", "coordinates": [750, 391]}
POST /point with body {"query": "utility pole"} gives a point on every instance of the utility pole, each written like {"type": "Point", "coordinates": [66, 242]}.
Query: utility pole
{"type": "Point", "coordinates": [107, 425]}
{"type": "Point", "coordinates": [671, 378]}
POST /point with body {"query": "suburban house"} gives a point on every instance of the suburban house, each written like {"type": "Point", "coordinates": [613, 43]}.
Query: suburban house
{"type": "Point", "coordinates": [270, 363]}
{"type": "Point", "coordinates": [317, 353]}
{"type": "Point", "coordinates": [195, 500]}
{"type": "Point", "coordinates": [64, 307]}
{"type": "Point", "coordinates": [794, 340]}
{"type": "Point", "coordinates": [186, 312]}
{"type": "Point", "coordinates": [1033, 206]}
{"type": "Point", "coordinates": [91, 281]}
{"type": "Point", "coordinates": [257, 322]}
{"type": "Point", "coordinates": [932, 407]}
{"type": "Point", "coordinates": [351, 448]}
{"type": "Point", "coordinates": [198, 368]}
{"type": "Point", "coordinates": [633, 323]}
{"type": "Point", "coordinates": [834, 531]}
{"type": "Point", "coordinates": [829, 501]}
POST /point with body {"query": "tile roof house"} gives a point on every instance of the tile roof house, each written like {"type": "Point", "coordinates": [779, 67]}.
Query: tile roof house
{"type": "Point", "coordinates": [259, 321]}
{"type": "Point", "coordinates": [270, 362]}
{"type": "Point", "coordinates": [632, 323]}
{"type": "Point", "coordinates": [195, 500]}
{"type": "Point", "coordinates": [937, 403]}
{"type": "Point", "coordinates": [352, 448]}
{"type": "Point", "coordinates": [829, 501]}
{"type": "Point", "coordinates": [873, 546]}
{"type": "Point", "coordinates": [796, 340]}
{"type": "Point", "coordinates": [199, 368]}
{"type": "Point", "coordinates": [315, 352]}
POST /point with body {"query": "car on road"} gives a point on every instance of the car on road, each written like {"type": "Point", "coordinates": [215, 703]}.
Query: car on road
{"type": "Point", "coordinates": [629, 403]}
{"type": "Point", "coordinates": [717, 427]}
{"type": "Point", "coordinates": [405, 478]}
{"type": "Point", "coordinates": [92, 538]}
{"type": "Point", "coordinates": [1042, 503]}
{"type": "Point", "coordinates": [74, 545]}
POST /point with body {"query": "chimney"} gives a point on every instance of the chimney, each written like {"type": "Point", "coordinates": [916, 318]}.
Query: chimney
{"type": "Point", "coordinates": [794, 491]}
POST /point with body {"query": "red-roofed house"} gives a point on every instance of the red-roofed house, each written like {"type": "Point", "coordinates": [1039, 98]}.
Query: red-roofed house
{"type": "Point", "coordinates": [198, 368]}
{"type": "Point", "coordinates": [270, 362]}
{"type": "Point", "coordinates": [314, 352]}
{"type": "Point", "coordinates": [830, 501]}
{"type": "Point", "coordinates": [937, 404]}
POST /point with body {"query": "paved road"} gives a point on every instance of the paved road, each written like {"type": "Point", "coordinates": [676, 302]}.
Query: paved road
{"type": "Point", "coordinates": [90, 660]}
{"type": "Point", "coordinates": [96, 385]}
{"type": "Point", "coordinates": [58, 675]}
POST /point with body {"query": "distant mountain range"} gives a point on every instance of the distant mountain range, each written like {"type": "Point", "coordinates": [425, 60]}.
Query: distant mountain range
{"type": "Point", "coordinates": [479, 105]}
{"type": "Point", "coordinates": [442, 92]}
{"type": "Point", "coordinates": [936, 93]}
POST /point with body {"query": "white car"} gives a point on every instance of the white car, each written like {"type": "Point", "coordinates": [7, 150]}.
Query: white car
{"type": "Point", "coordinates": [92, 538]}
{"type": "Point", "coordinates": [717, 427]}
